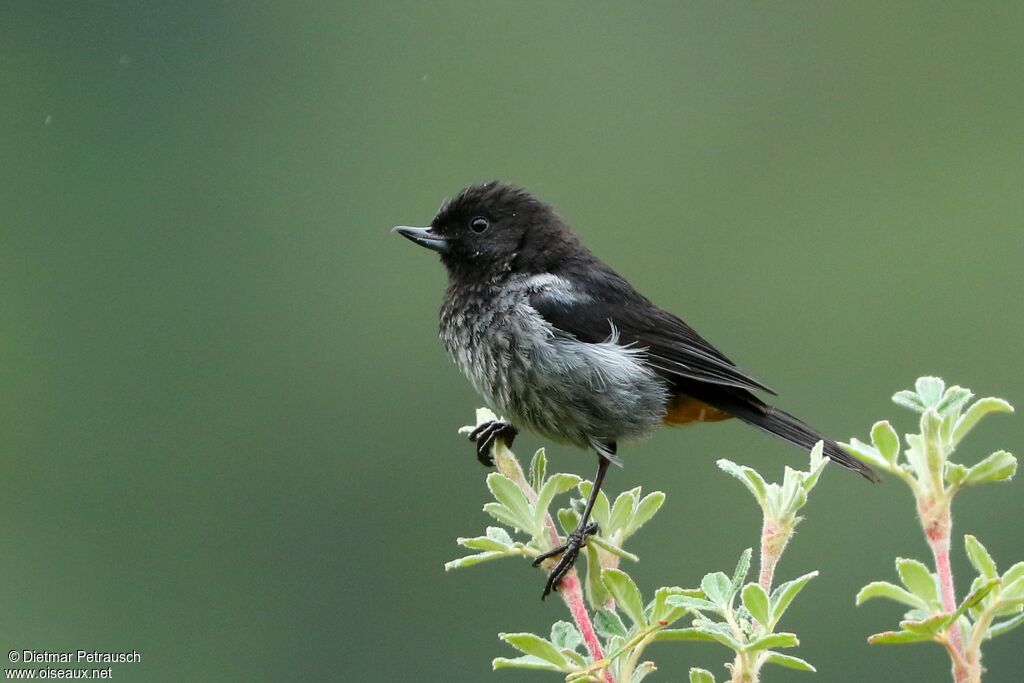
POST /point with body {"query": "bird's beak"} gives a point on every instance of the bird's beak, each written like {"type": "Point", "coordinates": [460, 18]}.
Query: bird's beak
{"type": "Point", "coordinates": [425, 237]}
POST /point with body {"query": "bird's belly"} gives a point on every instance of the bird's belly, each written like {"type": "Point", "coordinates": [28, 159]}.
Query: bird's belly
{"type": "Point", "coordinates": [564, 389]}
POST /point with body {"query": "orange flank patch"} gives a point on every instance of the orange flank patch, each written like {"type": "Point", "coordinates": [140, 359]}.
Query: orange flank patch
{"type": "Point", "coordinates": [683, 410]}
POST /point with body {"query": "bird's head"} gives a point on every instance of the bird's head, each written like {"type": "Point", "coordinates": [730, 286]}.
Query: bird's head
{"type": "Point", "coordinates": [493, 228]}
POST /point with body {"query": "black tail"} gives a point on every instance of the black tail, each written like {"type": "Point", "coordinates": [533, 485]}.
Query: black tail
{"type": "Point", "coordinates": [747, 407]}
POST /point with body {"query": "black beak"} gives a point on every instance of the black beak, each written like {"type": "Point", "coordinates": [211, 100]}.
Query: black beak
{"type": "Point", "coordinates": [425, 237]}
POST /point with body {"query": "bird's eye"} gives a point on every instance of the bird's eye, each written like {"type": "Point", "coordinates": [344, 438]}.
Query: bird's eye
{"type": "Point", "coordinates": [479, 224]}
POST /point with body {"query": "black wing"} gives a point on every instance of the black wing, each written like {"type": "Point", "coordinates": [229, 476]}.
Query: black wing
{"type": "Point", "coordinates": [672, 348]}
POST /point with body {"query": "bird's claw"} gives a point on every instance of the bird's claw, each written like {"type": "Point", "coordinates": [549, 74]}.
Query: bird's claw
{"type": "Point", "coordinates": [570, 551]}
{"type": "Point", "coordinates": [486, 434]}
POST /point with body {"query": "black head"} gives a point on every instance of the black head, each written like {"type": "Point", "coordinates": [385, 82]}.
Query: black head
{"type": "Point", "coordinates": [494, 228]}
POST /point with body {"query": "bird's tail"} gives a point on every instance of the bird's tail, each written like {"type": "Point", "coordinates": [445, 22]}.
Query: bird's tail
{"type": "Point", "coordinates": [753, 411]}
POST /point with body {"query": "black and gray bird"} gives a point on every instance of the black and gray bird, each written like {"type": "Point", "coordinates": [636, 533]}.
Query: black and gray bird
{"type": "Point", "coordinates": [558, 342]}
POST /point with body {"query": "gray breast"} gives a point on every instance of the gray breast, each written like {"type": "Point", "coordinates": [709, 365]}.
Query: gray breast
{"type": "Point", "coordinates": [542, 378]}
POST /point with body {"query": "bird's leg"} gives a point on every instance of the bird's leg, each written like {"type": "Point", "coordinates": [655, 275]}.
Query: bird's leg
{"type": "Point", "coordinates": [575, 541]}
{"type": "Point", "coordinates": [485, 436]}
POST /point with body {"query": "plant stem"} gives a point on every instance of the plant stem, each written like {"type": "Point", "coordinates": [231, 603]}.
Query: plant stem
{"type": "Point", "coordinates": [937, 523]}
{"type": "Point", "coordinates": [774, 538]}
{"type": "Point", "coordinates": [570, 587]}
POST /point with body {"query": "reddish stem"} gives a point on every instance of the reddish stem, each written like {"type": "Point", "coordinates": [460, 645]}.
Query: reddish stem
{"type": "Point", "coordinates": [938, 525]}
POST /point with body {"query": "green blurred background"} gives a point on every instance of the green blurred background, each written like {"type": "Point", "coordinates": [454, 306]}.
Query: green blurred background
{"type": "Point", "coordinates": [228, 428]}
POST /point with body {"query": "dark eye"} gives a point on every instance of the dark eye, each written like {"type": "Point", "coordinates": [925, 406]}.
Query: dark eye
{"type": "Point", "coordinates": [479, 224]}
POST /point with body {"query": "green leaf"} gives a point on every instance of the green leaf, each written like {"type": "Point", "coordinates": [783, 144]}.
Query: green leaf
{"type": "Point", "coordinates": [565, 636]}
{"type": "Point", "coordinates": [524, 662]}
{"type": "Point", "coordinates": [642, 670]}
{"type": "Point", "coordinates": [908, 399]}
{"type": "Point", "coordinates": [978, 410]}
{"type": "Point", "coordinates": [789, 661]}
{"type": "Point", "coordinates": [486, 542]}
{"type": "Point", "coordinates": [918, 580]}
{"type": "Point", "coordinates": [602, 510]}
{"type": "Point", "coordinates": [701, 676]}
{"type": "Point", "coordinates": [749, 477]}
{"type": "Point", "coordinates": [694, 603]}
{"type": "Point", "coordinates": [886, 441]}
{"type": "Point", "coordinates": [470, 560]}
{"type": "Point", "coordinates": [953, 400]}
{"type": "Point", "coordinates": [929, 627]}
{"type": "Point", "coordinates": [1002, 627]}
{"type": "Point", "coordinates": [974, 598]}
{"type": "Point", "coordinates": [818, 461]}
{"type": "Point", "coordinates": [648, 507]}
{"type": "Point", "coordinates": [661, 611]}
{"type": "Point", "coordinates": [1012, 592]}
{"type": "Point", "coordinates": [608, 623]}
{"type": "Point", "coordinates": [773, 640]}
{"type": "Point", "coordinates": [719, 632]}
{"type": "Point", "coordinates": [626, 594]}
{"type": "Point", "coordinates": [568, 519]}
{"type": "Point", "coordinates": [897, 637]}
{"type": "Point", "coordinates": [538, 469]}
{"type": "Point", "coordinates": [622, 510]}
{"type": "Point", "coordinates": [532, 644]}
{"type": "Point", "coordinates": [1000, 466]}
{"type": "Point", "coordinates": [884, 589]}
{"type": "Point", "coordinates": [930, 390]}
{"type": "Point", "coordinates": [869, 455]}
{"type": "Point", "coordinates": [955, 473]}
{"type": "Point", "coordinates": [756, 601]}
{"type": "Point", "coordinates": [503, 515]}
{"type": "Point", "coordinates": [684, 634]}
{"type": "Point", "coordinates": [499, 535]}
{"type": "Point", "coordinates": [597, 594]}
{"type": "Point", "coordinates": [601, 543]}
{"type": "Point", "coordinates": [558, 483]}
{"type": "Point", "coordinates": [740, 573]}
{"type": "Point", "coordinates": [508, 494]}
{"type": "Point", "coordinates": [718, 589]}
{"type": "Point", "coordinates": [1013, 573]}
{"type": "Point", "coordinates": [784, 594]}
{"type": "Point", "coordinates": [980, 558]}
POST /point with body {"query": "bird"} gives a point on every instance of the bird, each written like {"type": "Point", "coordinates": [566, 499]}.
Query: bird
{"type": "Point", "coordinates": [559, 343]}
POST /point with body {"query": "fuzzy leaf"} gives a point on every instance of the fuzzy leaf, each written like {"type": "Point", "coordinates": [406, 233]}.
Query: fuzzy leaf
{"type": "Point", "coordinates": [532, 644]}
{"type": "Point", "coordinates": [750, 477]}
{"type": "Point", "coordinates": [908, 399]}
{"type": "Point", "coordinates": [642, 670]}
{"type": "Point", "coordinates": [602, 509]}
{"type": "Point", "coordinates": [973, 599]}
{"type": "Point", "coordinates": [978, 410]}
{"type": "Point", "coordinates": [608, 623]}
{"type": "Point", "coordinates": [565, 636]}
{"type": "Point", "coordinates": [930, 626]}
{"type": "Point", "coordinates": [524, 662]}
{"type": "Point", "coordinates": [626, 594]}
{"type": "Point", "coordinates": [719, 632]}
{"type": "Point", "coordinates": [1002, 627]}
{"type": "Point", "coordinates": [662, 610]}
{"type": "Point", "coordinates": [684, 634]}
{"type": "Point", "coordinates": [503, 515]}
{"type": "Point", "coordinates": [867, 454]}
{"type": "Point", "coordinates": [622, 510]}
{"type": "Point", "coordinates": [701, 676]}
{"type": "Point", "coordinates": [558, 483]}
{"type": "Point", "coordinates": [884, 589]}
{"type": "Point", "coordinates": [897, 637]}
{"type": "Point", "coordinates": [538, 469]}
{"type": "Point", "coordinates": [955, 473]}
{"type": "Point", "coordinates": [918, 580]}
{"type": "Point", "coordinates": [718, 589]}
{"type": "Point", "coordinates": [773, 640]}
{"type": "Point", "coordinates": [783, 595]}
{"type": "Point", "coordinates": [953, 400]}
{"type": "Point", "coordinates": [508, 494]}
{"type": "Point", "coordinates": [484, 543]}
{"type": "Point", "coordinates": [740, 574]}
{"type": "Point", "coordinates": [1000, 466]}
{"type": "Point", "coordinates": [789, 661]}
{"type": "Point", "coordinates": [601, 543]}
{"type": "Point", "coordinates": [597, 594]}
{"type": "Point", "coordinates": [930, 390]}
{"type": "Point", "coordinates": [470, 560]}
{"type": "Point", "coordinates": [568, 519]}
{"type": "Point", "coordinates": [648, 507]}
{"type": "Point", "coordinates": [980, 558]}
{"type": "Point", "coordinates": [756, 602]}
{"type": "Point", "coordinates": [691, 602]}
{"type": "Point", "coordinates": [886, 441]}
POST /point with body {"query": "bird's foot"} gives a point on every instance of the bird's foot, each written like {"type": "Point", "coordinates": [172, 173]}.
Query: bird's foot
{"type": "Point", "coordinates": [570, 550]}
{"type": "Point", "coordinates": [486, 434]}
